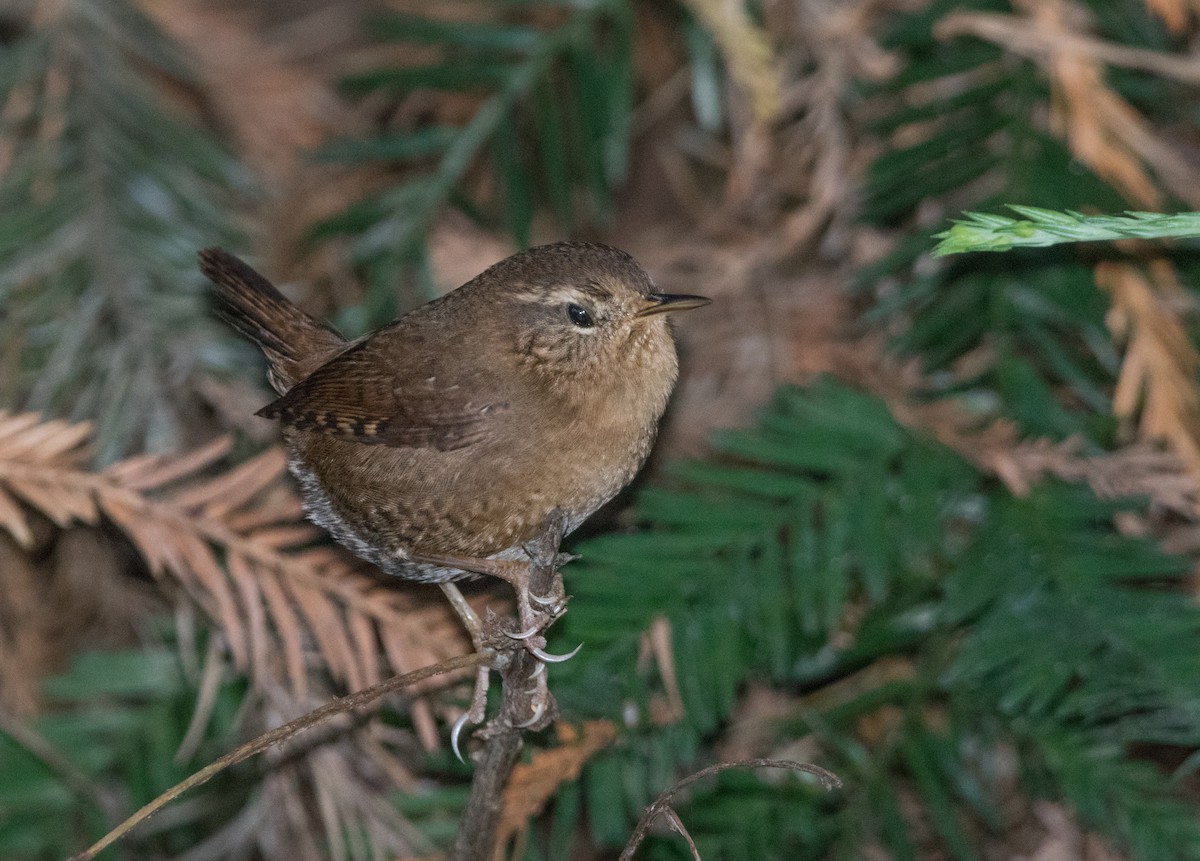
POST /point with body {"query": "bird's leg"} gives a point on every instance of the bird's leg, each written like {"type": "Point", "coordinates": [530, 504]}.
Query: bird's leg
{"type": "Point", "coordinates": [532, 622]}
{"type": "Point", "coordinates": [513, 572]}
{"type": "Point", "coordinates": [556, 601]}
{"type": "Point", "coordinates": [470, 620]}
{"type": "Point", "coordinates": [516, 574]}
{"type": "Point", "coordinates": [526, 701]}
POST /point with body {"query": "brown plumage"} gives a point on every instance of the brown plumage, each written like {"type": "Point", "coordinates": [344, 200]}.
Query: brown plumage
{"type": "Point", "coordinates": [456, 431]}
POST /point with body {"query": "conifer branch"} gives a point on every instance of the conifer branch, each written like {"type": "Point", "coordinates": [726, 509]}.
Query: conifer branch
{"type": "Point", "coordinates": [568, 86]}
{"type": "Point", "coordinates": [238, 544]}
{"type": "Point", "coordinates": [104, 195]}
{"type": "Point", "coordinates": [1038, 228]}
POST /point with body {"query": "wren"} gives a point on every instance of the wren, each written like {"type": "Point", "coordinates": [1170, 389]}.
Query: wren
{"type": "Point", "coordinates": [459, 428]}
{"type": "Point", "coordinates": [439, 445]}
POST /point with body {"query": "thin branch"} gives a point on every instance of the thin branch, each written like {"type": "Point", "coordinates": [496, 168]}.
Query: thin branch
{"type": "Point", "coordinates": [1014, 33]}
{"type": "Point", "coordinates": [340, 705]}
{"type": "Point", "coordinates": [662, 805]}
{"type": "Point", "coordinates": [682, 831]}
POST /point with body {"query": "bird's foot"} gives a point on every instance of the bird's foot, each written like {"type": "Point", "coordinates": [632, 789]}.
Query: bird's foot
{"type": "Point", "coordinates": [479, 640]}
{"type": "Point", "coordinates": [528, 704]}
{"type": "Point", "coordinates": [476, 713]}
{"type": "Point", "coordinates": [536, 644]}
{"type": "Point", "coordinates": [540, 700]}
{"type": "Point", "coordinates": [535, 613]}
{"type": "Point", "coordinates": [549, 658]}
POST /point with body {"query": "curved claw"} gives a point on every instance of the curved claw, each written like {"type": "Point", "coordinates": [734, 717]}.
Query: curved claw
{"type": "Point", "coordinates": [551, 602]}
{"type": "Point", "coordinates": [455, 732]}
{"type": "Point", "coordinates": [555, 659]}
{"type": "Point", "coordinates": [538, 711]}
{"type": "Point", "coordinates": [543, 602]}
{"type": "Point", "coordinates": [524, 635]}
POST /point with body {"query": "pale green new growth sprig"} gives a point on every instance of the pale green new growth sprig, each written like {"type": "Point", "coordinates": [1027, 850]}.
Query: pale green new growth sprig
{"type": "Point", "coordinates": [1040, 227]}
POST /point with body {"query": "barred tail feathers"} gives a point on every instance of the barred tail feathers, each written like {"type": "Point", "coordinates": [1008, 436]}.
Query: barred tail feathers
{"type": "Point", "coordinates": [294, 343]}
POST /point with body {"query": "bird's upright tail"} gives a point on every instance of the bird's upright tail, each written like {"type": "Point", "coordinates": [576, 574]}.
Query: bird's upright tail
{"type": "Point", "coordinates": [294, 343]}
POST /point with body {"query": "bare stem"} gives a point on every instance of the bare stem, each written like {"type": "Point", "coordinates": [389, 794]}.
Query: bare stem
{"type": "Point", "coordinates": [662, 804]}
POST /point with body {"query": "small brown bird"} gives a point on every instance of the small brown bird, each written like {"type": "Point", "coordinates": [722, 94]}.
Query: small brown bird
{"type": "Point", "coordinates": [439, 445]}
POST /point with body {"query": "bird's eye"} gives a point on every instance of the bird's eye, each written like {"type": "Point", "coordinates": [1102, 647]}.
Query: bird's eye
{"type": "Point", "coordinates": [579, 316]}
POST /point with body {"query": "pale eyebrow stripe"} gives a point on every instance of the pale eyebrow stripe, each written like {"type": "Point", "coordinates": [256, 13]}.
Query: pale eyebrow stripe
{"type": "Point", "coordinates": [588, 289]}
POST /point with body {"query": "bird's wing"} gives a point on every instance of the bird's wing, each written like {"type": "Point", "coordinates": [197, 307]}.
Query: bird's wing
{"type": "Point", "coordinates": [360, 396]}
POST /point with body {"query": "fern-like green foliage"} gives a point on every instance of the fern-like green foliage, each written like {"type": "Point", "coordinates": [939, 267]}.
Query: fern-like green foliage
{"type": "Point", "coordinates": [881, 581]}
{"type": "Point", "coordinates": [964, 125]}
{"type": "Point", "coordinates": [552, 128]}
{"type": "Point", "coordinates": [104, 197]}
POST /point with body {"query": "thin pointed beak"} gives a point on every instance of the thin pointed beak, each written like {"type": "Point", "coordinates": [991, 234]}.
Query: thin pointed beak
{"type": "Point", "coordinates": [664, 302]}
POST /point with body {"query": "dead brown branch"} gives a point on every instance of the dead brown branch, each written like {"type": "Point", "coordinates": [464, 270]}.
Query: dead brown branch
{"type": "Point", "coordinates": [1157, 384]}
{"type": "Point", "coordinates": [237, 543]}
{"type": "Point", "coordinates": [1014, 33]}
{"type": "Point", "coordinates": [1102, 129]}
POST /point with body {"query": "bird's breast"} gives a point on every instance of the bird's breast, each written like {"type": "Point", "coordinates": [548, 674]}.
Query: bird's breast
{"type": "Point", "coordinates": [570, 454]}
